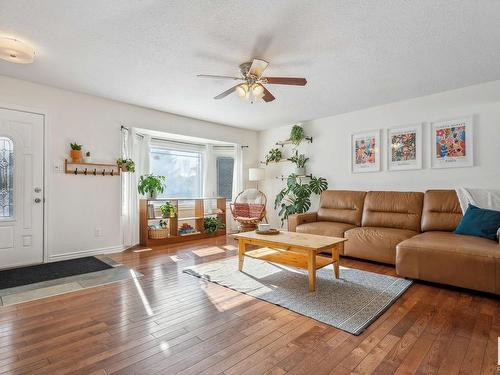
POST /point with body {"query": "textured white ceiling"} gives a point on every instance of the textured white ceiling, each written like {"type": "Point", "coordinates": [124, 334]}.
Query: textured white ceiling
{"type": "Point", "coordinates": [354, 54]}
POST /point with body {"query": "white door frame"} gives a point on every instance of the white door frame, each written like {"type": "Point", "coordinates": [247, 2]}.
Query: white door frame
{"type": "Point", "coordinates": [46, 167]}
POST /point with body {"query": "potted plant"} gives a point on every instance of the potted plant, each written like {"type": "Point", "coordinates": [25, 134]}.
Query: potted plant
{"type": "Point", "coordinates": [274, 155]}
{"type": "Point", "coordinates": [150, 185]}
{"type": "Point", "coordinates": [300, 161]}
{"type": "Point", "coordinates": [297, 134]}
{"type": "Point", "coordinates": [126, 165]}
{"type": "Point", "coordinates": [212, 224]}
{"type": "Point", "coordinates": [163, 224]}
{"type": "Point", "coordinates": [87, 158]}
{"type": "Point", "coordinates": [295, 197]}
{"type": "Point", "coordinates": [76, 152]}
{"type": "Point", "coordinates": [167, 209]}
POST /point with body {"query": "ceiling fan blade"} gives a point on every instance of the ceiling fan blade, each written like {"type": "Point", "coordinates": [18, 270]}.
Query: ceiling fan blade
{"type": "Point", "coordinates": [227, 92]}
{"type": "Point", "coordinates": [217, 77]}
{"type": "Point", "coordinates": [286, 81]}
{"type": "Point", "coordinates": [268, 97]}
{"type": "Point", "coordinates": [258, 66]}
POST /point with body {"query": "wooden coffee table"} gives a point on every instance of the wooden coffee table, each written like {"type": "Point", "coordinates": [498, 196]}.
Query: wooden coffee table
{"type": "Point", "coordinates": [292, 249]}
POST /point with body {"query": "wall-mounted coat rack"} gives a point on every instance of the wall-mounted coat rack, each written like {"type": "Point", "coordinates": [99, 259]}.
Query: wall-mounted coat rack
{"type": "Point", "coordinates": [91, 169]}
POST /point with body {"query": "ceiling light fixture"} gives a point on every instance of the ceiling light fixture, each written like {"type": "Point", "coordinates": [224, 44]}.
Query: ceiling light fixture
{"type": "Point", "coordinates": [16, 51]}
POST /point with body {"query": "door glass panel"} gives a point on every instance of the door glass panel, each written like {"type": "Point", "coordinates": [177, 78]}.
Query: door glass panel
{"type": "Point", "coordinates": [6, 177]}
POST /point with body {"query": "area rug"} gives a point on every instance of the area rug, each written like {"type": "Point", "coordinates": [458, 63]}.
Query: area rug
{"type": "Point", "coordinates": [93, 272]}
{"type": "Point", "coordinates": [50, 271]}
{"type": "Point", "coordinates": [350, 303]}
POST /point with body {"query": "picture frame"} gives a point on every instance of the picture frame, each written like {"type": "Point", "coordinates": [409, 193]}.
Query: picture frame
{"type": "Point", "coordinates": [404, 147]}
{"type": "Point", "coordinates": [365, 151]}
{"type": "Point", "coordinates": [452, 143]}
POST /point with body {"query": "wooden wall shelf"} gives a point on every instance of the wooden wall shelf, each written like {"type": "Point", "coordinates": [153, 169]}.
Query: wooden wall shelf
{"type": "Point", "coordinates": [289, 142]}
{"type": "Point", "coordinates": [91, 169]}
{"type": "Point", "coordinates": [301, 176]}
{"type": "Point", "coordinates": [188, 210]}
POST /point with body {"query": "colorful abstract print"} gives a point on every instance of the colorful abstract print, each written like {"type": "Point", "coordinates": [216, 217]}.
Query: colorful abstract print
{"type": "Point", "coordinates": [450, 142]}
{"type": "Point", "coordinates": [404, 146]}
{"type": "Point", "coordinates": [365, 151]}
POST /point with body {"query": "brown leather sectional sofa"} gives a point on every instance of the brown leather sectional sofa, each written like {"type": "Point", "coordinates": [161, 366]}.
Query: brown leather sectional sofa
{"type": "Point", "coordinates": [411, 230]}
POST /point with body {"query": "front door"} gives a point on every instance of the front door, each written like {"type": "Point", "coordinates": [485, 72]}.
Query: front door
{"type": "Point", "coordinates": [21, 188]}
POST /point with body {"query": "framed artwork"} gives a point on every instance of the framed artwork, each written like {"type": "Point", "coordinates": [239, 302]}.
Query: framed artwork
{"type": "Point", "coordinates": [404, 148]}
{"type": "Point", "coordinates": [452, 143]}
{"type": "Point", "coordinates": [365, 152]}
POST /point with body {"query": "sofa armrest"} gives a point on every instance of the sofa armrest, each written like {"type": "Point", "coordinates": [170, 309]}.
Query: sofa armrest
{"type": "Point", "coordinates": [298, 219]}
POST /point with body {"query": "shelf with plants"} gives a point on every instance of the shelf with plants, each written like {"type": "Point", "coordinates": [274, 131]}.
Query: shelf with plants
{"type": "Point", "coordinates": [297, 136]}
{"type": "Point", "coordinates": [185, 222]}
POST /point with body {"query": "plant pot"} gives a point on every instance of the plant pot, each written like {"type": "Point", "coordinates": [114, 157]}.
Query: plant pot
{"type": "Point", "coordinates": [76, 156]}
{"type": "Point", "coordinates": [300, 171]}
{"type": "Point", "coordinates": [87, 159]}
{"type": "Point", "coordinates": [152, 194]}
{"type": "Point", "coordinates": [124, 168]}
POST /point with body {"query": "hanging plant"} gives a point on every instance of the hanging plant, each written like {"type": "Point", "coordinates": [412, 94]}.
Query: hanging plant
{"type": "Point", "coordinates": [297, 134]}
{"type": "Point", "coordinates": [295, 197]}
{"type": "Point", "coordinates": [126, 165]}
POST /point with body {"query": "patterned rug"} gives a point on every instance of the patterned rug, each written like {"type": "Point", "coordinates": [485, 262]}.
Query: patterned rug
{"type": "Point", "coordinates": [350, 303]}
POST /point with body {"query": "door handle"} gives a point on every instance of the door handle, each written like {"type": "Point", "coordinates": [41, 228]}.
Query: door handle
{"type": "Point", "coordinates": [38, 200]}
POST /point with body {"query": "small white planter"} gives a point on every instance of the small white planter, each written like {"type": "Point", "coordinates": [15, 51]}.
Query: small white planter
{"type": "Point", "coordinates": [300, 171]}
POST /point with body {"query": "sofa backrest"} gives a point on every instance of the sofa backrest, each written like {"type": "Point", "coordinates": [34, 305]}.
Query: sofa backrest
{"type": "Point", "coordinates": [391, 209]}
{"type": "Point", "coordinates": [344, 206]}
{"type": "Point", "coordinates": [441, 211]}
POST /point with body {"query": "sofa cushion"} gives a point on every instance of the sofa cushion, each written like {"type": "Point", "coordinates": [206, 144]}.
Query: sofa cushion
{"type": "Point", "coordinates": [325, 228]}
{"type": "Point", "coordinates": [448, 258]}
{"type": "Point", "coordinates": [441, 210]}
{"type": "Point", "coordinates": [390, 209]}
{"type": "Point", "coordinates": [479, 222]}
{"type": "Point", "coordinates": [375, 243]}
{"type": "Point", "coordinates": [343, 206]}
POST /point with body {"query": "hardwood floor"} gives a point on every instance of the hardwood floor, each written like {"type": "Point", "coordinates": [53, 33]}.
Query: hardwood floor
{"type": "Point", "coordinates": [168, 322]}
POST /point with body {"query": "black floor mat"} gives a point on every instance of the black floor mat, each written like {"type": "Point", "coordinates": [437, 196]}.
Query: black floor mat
{"type": "Point", "coordinates": [50, 271]}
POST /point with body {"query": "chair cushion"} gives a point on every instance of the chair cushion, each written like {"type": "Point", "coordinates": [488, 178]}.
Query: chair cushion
{"type": "Point", "coordinates": [343, 206]}
{"type": "Point", "coordinates": [375, 243]}
{"type": "Point", "coordinates": [393, 209]}
{"type": "Point", "coordinates": [448, 258]}
{"type": "Point", "coordinates": [441, 210]}
{"type": "Point", "coordinates": [479, 222]}
{"type": "Point", "coordinates": [255, 210]}
{"type": "Point", "coordinates": [241, 210]}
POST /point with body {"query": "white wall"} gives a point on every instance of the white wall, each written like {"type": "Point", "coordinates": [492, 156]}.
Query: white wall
{"type": "Point", "coordinates": [330, 150]}
{"type": "Point", "coordinates": [77, 205]}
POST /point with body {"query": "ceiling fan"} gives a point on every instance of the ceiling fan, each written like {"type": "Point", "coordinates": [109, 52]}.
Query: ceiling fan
{"type": "Point", "coordinates": [252, 87]}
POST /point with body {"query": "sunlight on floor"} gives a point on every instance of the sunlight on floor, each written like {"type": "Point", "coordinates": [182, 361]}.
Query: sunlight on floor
{"type": "Point", "coordinates": [175, 258]}
{"type": "Point", "coordinates": [208, 251]}
{"type": "Point", "coordinates": [230, 247]}
{"type": "Point", "coordinates": [144, 300]}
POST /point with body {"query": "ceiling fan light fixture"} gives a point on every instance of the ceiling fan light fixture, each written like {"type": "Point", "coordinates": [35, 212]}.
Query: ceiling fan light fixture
{"type": "Point", "coordinates": [242, 90]}
{"type": "Point", "coordinates": [16, 51]}
{"type": "Point", "coordinates": [257, 90]}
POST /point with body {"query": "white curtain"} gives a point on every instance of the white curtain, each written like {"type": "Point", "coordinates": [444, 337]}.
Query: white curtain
{"type": "Point", "coordinates": [209, 172]}
{"type": "Point", "coordinates": [232, 225]}
{"type": "Point", "coordinates": [136, 148]}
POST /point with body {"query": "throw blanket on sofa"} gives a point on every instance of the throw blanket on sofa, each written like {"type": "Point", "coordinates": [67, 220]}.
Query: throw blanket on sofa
{"type": "Point", "coordinates": [482, 198]}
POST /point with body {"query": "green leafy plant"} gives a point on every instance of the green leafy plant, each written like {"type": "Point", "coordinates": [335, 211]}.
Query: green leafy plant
{"type": "Point", "coordinates": [297, 134]}
{"type": "Point", "coordinates": [127, 165]}
{"type": "Point", "coordinates": [75, 146]}
{"type": "Point", "coordinates": [295, 197]}
{"type": "Point", "coordinates": [274, 155]}
{"type": "Point", "coordinates": [151, 185]}
{"type": "Point", "coordinates": [299, 160]}
{"type": "Point", "coordinates": [167, 209]}
{"type": "Point", "coordinates": [212, 224]}
{"type": "Point", "coordinates": [163, 224]}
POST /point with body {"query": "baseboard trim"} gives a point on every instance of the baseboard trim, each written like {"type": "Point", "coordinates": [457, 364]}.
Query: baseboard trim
{"type": "Point", "coordinates": [83, 253]}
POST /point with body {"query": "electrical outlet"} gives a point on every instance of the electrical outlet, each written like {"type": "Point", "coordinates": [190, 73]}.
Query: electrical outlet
{"type": "Point", "coordinates": [58, 167]}
{"type": "Point", "coordinates": [97, 232]}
